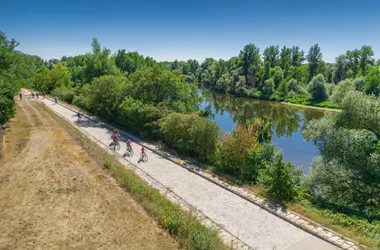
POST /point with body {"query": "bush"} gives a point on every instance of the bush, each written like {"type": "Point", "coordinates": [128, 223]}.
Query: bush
{"type": "Point", "coordinates": [192, 134]}
{"type": "Point", "coordinates": [7, 92]}
{"type": "Point", "coordinates": [279, 179]}
{"type": "Point", "coordinates": [141, 119]}
{"type": "Point", "coordinates": [268, 88]}
{"type": "Point", "coordinates": [341, 90]}
{"type": "Point", "coordinates": [317, 88]}
{"type": "Point", "coordinates": [261, 157]}
{"type": "Point", "coordinates": [359, 83]}
{"type": "Point", "coordinates": [65, 93]}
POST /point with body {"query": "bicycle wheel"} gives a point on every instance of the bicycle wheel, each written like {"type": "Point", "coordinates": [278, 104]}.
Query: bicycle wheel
{"type": "Point", "coordinates": [117, 146]}
{"type": "Point", "coordinates": [131, 152]}
{"type": "Point", "coordinates": [145, 157]}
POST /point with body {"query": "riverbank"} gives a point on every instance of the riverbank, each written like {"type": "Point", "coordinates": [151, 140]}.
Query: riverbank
{"type": "Point", "coordinates": [310, 107]}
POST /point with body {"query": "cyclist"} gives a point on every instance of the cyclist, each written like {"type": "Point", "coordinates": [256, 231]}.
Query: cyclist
{"type": "Point", "coordinates": [115, 139]}
{"type": "Point", "coordinates": [116, 132]}
{"type": "Point", "coordinates": [129, 144]}
{"type": "Point", "coordinates": [55, 99]}
{"type": "Point", "coordinates": [38, 95]}
{"type": "Point", "coordinates": [142, 155]}
{"type": "Point", "coordinates": [20, 96]}
{"type": "Point", "coordinates": [79, 115]}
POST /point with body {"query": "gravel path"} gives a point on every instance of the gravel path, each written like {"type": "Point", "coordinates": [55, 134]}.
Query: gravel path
{"type": "Point", "coordinates": [255, 227]}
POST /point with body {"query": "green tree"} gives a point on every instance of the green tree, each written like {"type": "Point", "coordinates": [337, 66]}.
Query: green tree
{"type": "Point", "coordinates": [250, 58]}
{"type": "Point", "coordinates": [163, 87]}
{"type": "Point", "coordinates": [285, 57]}
{"type": "Point", "coordinates": [314, 58]}
{"type": "Point", "coordinates": [192, 134]}
{"type": "Point", "coordinates": [104, 95]}
{"type": "Point", "coordinates": [271, 55]}
{"type": "Point", "coordinates": [298, 56]}
{"type": "Point", "coordinates": [278, 76]}
{"type": "Point", "coordinates": [317, 88]}
{"type": "Point", "coordinates": [372, 82]}
{"type": "Point", "coordinates": [359, 83]}
{"type": "Point", "coordinates": [348, 169]}
{"type": "Point", "coordinates": [341, 90]}
{"type": "Point", "coordinates": [268, 88]}
{"type": "Point", "coordinates": [341, 68]}
{"type": "Point", "coordinates": [366, 58]}
{"type": "Point", "coordinates": [353, 58]}
{"type": "Point", "coordinates": [98, 63]}
{"type": "Point", "coordinates": [283, 89]}
{"type": "Point", "coordinates": [280, 179]}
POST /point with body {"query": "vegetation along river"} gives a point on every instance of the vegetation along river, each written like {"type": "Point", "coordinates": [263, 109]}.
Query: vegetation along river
{"type": "Point", "coordinates": [287, 122]}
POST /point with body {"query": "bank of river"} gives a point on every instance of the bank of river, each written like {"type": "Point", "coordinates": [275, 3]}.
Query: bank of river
{"type": "Point", "coordinates": [287, 122]}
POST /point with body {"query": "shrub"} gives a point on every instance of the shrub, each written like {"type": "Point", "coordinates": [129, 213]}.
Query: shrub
{"type": "Point", "coordinates": [238, 146]}
{"type": "Point", "coordinates": [279, 179]}
{"type": "Point", "coordinates": [341, 90]}
{"type": "Point", "coordinates": [192, 134]}
{"type": "Point", "coordinates": [317, 88]}
{"type": "Point", "coordinates": [65, 93]}
{"type": "Point", "coordinates": [141, 119]}
{"type": "Point", "coordinates": [259, 158]}
{"type": "Point", "coordinates": [268, 88]}
{"type": "Point", "coordinates": [359, 83]}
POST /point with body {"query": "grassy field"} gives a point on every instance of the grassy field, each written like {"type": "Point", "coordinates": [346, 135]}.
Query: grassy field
{"type": "Point", "coordinates": [54, 195]}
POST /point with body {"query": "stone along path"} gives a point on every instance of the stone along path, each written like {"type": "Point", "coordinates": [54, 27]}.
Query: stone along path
{"type": "Point", "coordinates": [253, 226]}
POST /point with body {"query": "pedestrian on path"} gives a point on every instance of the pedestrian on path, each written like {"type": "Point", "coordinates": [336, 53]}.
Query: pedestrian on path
{"type": "Point", "coordinates": [20, 95]}
{"type": "Point", "coordinates": [43, 95]}
{"type": "Point", "coordinates": [38, 96]}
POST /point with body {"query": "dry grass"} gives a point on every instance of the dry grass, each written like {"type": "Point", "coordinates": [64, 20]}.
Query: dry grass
{"type": "Point", "coordinates": [53, 194]}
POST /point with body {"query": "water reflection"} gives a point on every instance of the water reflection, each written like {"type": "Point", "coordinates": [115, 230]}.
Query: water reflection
{"type": "Point", "coordinates": [286, 122]}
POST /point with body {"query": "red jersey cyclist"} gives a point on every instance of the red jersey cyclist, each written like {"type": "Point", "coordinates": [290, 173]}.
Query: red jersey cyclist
{"type": "Point", "coordinates": [116, 136]}
{"type": "Point", "coordinates": [129, 144]}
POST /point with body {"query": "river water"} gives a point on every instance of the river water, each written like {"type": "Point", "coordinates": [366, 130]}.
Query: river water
{"type": "Point", "coordinates": [287, 122]}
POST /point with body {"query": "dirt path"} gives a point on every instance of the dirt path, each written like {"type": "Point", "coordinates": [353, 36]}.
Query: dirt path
{"type": "Point", "coordinates": [52, 195]}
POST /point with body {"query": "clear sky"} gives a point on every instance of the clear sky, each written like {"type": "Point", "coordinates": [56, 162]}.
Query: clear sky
{"type": "Point", "coordinates": [169, 30]}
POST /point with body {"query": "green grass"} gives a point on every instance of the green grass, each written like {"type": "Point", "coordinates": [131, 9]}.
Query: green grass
{"type": "Point", "coordinates": [354, 224]}
{"type": "Point", "coordinates": [189, 232]}
{"type": "Point", "coordinates": [307, 101]}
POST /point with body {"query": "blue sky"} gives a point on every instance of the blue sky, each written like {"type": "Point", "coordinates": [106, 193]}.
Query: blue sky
{"type": "Point", "coordinates": [169, 30]}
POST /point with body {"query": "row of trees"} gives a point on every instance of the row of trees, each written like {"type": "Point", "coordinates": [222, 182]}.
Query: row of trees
{"type": "Point", "coordinates": [280, 73]}
{"type": "Point", "coordinates": [16, 69]}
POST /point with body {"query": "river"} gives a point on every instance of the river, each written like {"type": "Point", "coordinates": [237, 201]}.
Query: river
{"type": "Point", "coordinates": [286, 122]}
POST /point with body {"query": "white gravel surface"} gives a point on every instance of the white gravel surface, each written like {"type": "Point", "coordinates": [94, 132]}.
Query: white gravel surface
{"type": "Point", "coordinates": [255, 227]}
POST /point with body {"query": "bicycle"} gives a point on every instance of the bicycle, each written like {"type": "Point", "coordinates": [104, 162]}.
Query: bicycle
{"type": "Point", "coordinates": [143, 157]}
{"type": "Point", "coordinates": [115, 145]}
{"type": "Point", "coordinates": [129, 151]}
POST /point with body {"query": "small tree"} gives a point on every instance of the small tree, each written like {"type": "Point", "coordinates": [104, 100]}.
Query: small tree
{"type": "Point", "coordinates": [317, 88]}
{"type": "Point", "coordinates": [341, 90]}
{"type": "Point", "coordinates": [238, 145]}
{"type": "Point", "coordinates": [283, 89]}
{"type": "Point", "coordinates": [279, 179]}
{"type": "Point", "coordinates": [268, 87]}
